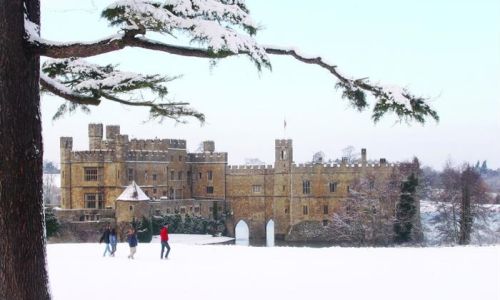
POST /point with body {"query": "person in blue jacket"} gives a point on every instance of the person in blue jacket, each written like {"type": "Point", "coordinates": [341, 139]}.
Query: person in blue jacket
{"type": "Point", "coordinates": [113, 240]}
{"type": "Point", "coordinates": [132, 242]}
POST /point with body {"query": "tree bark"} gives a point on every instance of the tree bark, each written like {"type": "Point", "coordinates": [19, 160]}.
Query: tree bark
{"type": "Point", "coordinates": [22, 244]}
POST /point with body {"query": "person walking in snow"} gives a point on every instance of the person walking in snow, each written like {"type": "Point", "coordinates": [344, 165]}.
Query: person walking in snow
{"type": "Point", "coordinates": [164, 241]}
{"type": "Point", "coordinates": [105, 239]}
{"type": "Point", "coordinates": [132, 242]}
{"type": "Point", "coordinates": [113, 240]}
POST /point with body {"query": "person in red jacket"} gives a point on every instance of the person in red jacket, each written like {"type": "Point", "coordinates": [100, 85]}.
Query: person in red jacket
{"type": "Point", "coordinates": [164, 241]}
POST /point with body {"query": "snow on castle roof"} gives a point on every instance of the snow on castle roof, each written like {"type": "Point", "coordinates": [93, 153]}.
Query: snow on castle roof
{"type": "Point", "coordinates": [133, 192]}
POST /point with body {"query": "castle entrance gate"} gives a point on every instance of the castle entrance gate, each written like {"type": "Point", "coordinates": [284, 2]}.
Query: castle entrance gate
{"type": "Point", "coordinates": [242, 233]}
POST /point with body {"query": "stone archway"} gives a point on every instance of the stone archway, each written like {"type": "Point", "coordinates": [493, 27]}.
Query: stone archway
{"type": "Point", "coordinates": [242, 233]}
{"type": "Point", "coordinates": [270, 233]}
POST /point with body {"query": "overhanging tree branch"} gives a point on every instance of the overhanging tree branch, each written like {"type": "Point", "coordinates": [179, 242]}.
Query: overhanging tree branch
{"type": "Point", "coordinates": [83, 83]}
{"type": "Point", "coordinates": [389, 98]}
{"type": "Point", "coordinates": [60, 90]}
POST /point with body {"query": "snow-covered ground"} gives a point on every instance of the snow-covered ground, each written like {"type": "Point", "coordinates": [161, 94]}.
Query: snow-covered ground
{"type": "Point", "coordinates": [78, 271]}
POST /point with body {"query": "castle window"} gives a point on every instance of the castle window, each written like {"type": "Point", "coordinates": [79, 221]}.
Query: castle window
{"type": "Point", "coordinates": [325, 223]}
{"type": "Point", "coordinates": [199, 175]}
{"type": "Point", "coordinates": [94, 201]}
{"type": "Point", "coordinates": [196, 209]}
{"type": "Point", "coordinates": [333, 187]}
{"type": "Point", "coordinates": [183, 210]}
{"type": "Point", "coordinates": [325, 209]}
{"type": "Point", "coordinates": [154, 191]}
{"type": "Point", "coordinates": [284, 188]}
{"type": "Point", "coordinates": [210, 189]}
{"type": "Point", "coordinates": [179, 175]}
{"type": "Point", "coordinates": [305, 210]}
{"type": "Point", "coordinates": [130, 174]}
{"type": "Point", "coordinates": [256, 188]}
{"type": "Point", "coordinates": [131, 208]}
{"type": "Point", "coordinates": [172, 175]}
{"type": "Point", "coordinates": [371, 184]}
{"type": "Point", "coordinates": [145, 175]}
{"type": "Point", "coordinates": [283, 154]}
{"type": "Point", "coordinates": [155, 176]}
{"type": "Point", "coordinates": [286, 210]}
{"type": "Point", "coordinates": [91, 174]}
{"type": "Point", "coordinates": [306, 187]}
{"type": "Point", "coordinates": [180, 158]}
{"type": "Point", "coordinates": [348, 189]}
{"type": "Point", "coordinates": [210, 175]}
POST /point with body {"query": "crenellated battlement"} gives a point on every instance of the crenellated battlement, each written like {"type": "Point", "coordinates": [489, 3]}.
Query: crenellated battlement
{"type": "Point", "coordinates": [156, 144]}
{"type": "Point", "coordinates": [93, 156]}
{"type": "Point", "coordinates": [249, 169]}
{"type": "Point", "coordinates": [344, 166]}
{"type": "Point", "coordinates": [148, 155]}
{"type": "Point", "coordinates": [216, 157]}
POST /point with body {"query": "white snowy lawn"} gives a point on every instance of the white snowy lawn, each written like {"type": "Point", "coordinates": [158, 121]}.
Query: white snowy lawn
{"type": "Point", "coordinates": [78, 271]}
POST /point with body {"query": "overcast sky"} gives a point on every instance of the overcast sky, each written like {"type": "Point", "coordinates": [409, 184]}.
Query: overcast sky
{"type": "Point", "coordinates": [448, 50]}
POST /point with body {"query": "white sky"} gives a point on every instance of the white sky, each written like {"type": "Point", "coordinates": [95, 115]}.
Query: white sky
{"type": "Point", "coordinates": [449, 51]}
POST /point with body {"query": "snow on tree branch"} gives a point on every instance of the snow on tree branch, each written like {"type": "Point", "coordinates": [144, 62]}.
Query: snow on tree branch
{"type": "Point", "coordinates": [212, 23]}
{"type": "Point", "coordinates": [84, 84]}
{"type": "Point", "coordinates": [388, 98]}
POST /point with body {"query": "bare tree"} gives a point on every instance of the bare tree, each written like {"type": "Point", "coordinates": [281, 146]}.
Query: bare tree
{"type": "Point", "coordinates": [366, 217]}
{"type": "Point", "coordinates": [459, 210]}
{"type": "Point", "coordinates": [319, 157]}
{"type": "Point", "coordinates": [350, 154]}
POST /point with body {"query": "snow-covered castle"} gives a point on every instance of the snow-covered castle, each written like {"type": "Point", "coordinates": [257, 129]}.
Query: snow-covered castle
{"type": "Point", "coordinates": [300, 199]}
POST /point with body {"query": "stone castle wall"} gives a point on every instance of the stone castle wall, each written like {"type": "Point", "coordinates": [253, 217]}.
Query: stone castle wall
{"type": "Point", "coordinates": [254, 194]}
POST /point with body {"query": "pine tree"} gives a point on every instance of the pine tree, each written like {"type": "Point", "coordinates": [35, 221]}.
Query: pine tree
{"type": "Point", "coordinates": [406, 210]}
{"type": "Point", "coordinates": [477, 166]}
{"type": "Point", "coordinates": [484, 168]}
{"type": "Point", "coordinates": [221, 28]}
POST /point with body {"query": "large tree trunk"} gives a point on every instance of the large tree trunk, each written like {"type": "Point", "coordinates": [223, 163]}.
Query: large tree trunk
{"type": "Point", "coordinates": [22, 244]}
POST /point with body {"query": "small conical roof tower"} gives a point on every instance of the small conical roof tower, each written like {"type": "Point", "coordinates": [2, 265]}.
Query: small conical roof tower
{"type": "Point", "coordinates": [133, 192]}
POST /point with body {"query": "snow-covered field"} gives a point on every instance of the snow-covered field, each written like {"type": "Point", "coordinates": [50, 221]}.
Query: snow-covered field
{"type": "Point", "coordinates": [78, 271]}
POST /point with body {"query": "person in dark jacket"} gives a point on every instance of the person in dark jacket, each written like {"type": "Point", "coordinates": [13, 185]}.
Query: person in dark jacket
{"type": "Point", "coordinates": [164, 241]}
{"type": "Point", "coordinates": [132, 242]}
{"type": "Point", "coordinates": [113, 240]}
{"type": "Point", "coordinates": [105, 239]}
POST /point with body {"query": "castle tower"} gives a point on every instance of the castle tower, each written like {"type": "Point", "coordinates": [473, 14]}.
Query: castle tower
{"type": "Point", "coordinates": [283, 155]}
{"type": "Point", "coordinates": [112, 131]}
{"type": "Point", "coordinates": [121, 150]}
{"type": "Point", "coordinates": [208, 146]}
{"type": "Point", "coordinates": [66, 146]}
{"type": "Point", "coordinates": [95, 136]}
{"type": "Point", "coordinates": [363, 156]}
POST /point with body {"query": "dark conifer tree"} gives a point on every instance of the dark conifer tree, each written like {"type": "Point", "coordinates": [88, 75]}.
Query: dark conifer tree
{"type": "Point", "coordinates": [406, 210]}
